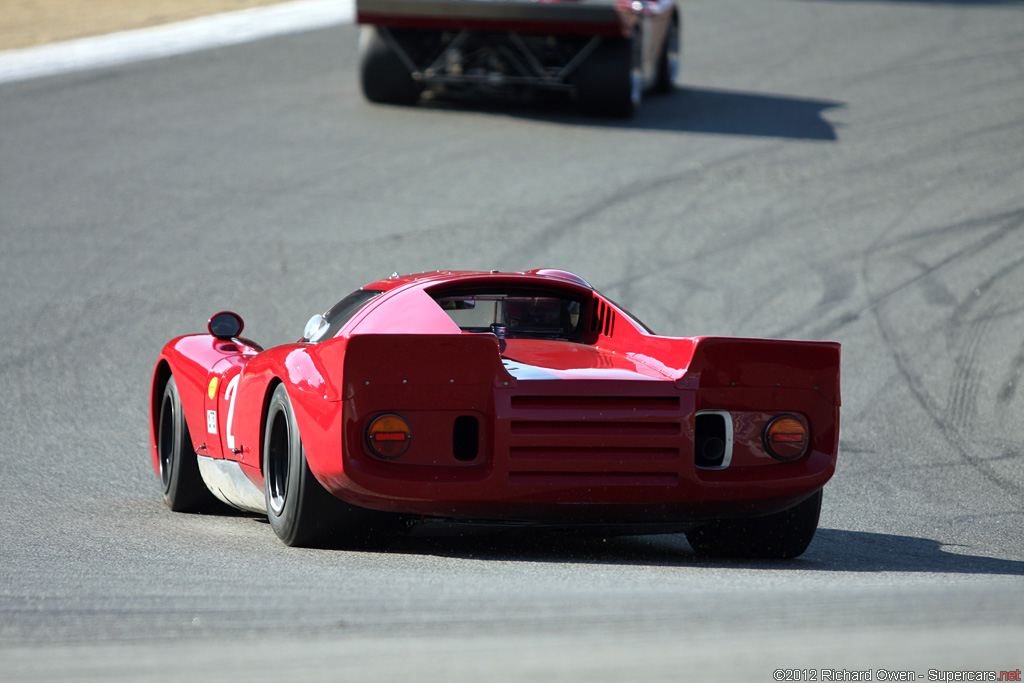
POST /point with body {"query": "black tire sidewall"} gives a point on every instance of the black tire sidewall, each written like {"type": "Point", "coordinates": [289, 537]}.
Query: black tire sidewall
{"type": "Point", "coordinates": [665, 82]}
{"type": "Point", "coordinates": [305, 518]}
{"type": "Point", "coordinates": [383, 76]}
{"type": "Point", "coordinates": [310, 516]}
{"type": "Point", "coordinates": [604, 80]}
{"type": "Point", "coordinates": [283, 521]}
{"type": "Point", "coordinates": [179, 432]}
{"type": "Point", "coordinates": [184, 490]}
{"type": "Point", "coordinates": [783, 535]}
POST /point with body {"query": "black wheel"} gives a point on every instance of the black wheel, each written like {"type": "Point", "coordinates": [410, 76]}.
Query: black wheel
{"type": "Point", "coordinates": [383, 75]}
{"type": "Point", "coordinates": [783, 535]}
{"type": "Point", "coordinates": [300, 510]}
{"type": "Point", "coordinates": [610, 82]}
{"type": "Point", "coordinates": [668, 62]}
{"type": "Point", "coordinates": [183, 487]}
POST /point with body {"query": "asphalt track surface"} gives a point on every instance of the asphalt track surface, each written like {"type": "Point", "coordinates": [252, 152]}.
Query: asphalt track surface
{"type": "Point", "coordinates": [829, 169]}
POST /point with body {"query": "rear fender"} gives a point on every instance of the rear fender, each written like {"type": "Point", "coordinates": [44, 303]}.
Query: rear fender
{"type": "Point", "coordinates": [762, 377]}
{"type": "Point", "coordinates": [417, 376]}
{"type": "Point", "coordinates": [309, 373]}
{"type": "Point", "coordinates": [719, 362]}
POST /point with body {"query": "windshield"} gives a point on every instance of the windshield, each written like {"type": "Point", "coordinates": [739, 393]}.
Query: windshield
{"type": "Point", "coordinates": [341, 312]}
{"type": "Point", "coordinates": [542, 316]}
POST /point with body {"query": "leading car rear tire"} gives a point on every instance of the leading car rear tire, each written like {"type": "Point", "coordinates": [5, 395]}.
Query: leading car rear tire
{"type": "Point", "coordinates": [610, 82]}
{"type": "Point", "coordinates": [780, 536]}
{"type": "Point", "coordinates": [383, 75]}
{"type": "Point", "coordinates": [183, 487]}
{"type": "Point", "coordinates": [669, 60]}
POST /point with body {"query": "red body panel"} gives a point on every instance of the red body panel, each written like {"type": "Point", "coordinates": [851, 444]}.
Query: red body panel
{"type": "Point", "coordinates": [578, 17]}
{"type": "Point", "coordinates": [550, 17]}
{"type": "Point", "coordinates": [600, 429]}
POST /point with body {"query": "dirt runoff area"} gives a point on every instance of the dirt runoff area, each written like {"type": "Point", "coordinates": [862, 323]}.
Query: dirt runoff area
{"type": "Point", "coordinates": [24, 23]}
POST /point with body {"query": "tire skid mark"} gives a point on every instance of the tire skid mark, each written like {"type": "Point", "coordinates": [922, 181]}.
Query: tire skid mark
{"type": "Point", "coordinates": [952, 435]}
{"type": "Point", "coordinates": [952, 423]}
{"type": "Point", "coordinates": [964, 387]}
{"type": "Point", "coordinates": [975, 324]}
{"type": "Point", "coordinates": [838, 284]}
{"type": "Point", "coordinates": [848, 317]}
{"type": "Point", "coordinates": [1014, 217]}
{"type": "Point", "coordinates": [538, 243]}
{"type": "Point", "coordinates": [1011, 380]}
{"type": "Point", "coordinates": [964, 307]}
{"type": "Point", "coordinates": [1015, 220]}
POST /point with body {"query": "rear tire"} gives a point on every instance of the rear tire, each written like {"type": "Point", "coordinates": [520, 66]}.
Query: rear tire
{"type": "Point", "coordinates": [183, 487]}
{"type": "Point", "coordinates": [301, 512]}
{"type": "Point", "coordinates": [610, 81]}
{"type": "Point", "coordinates": [668, 62]}
{"type": "Point", "coordinates": [783, 535]}
{"type": "Point", "coordinates": [384, 77]}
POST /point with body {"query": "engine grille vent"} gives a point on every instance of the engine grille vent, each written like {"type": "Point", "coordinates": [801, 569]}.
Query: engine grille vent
{"type": "Point", "coordinates": [595, 440]}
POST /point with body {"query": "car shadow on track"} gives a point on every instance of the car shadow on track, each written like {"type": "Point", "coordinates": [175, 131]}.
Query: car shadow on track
{"type": "Point", "coordinates": [731, 112]}
{"type": "Point", "coordinates": [691, 110]}
{"type": "Point", "coordinates": [832, 550]}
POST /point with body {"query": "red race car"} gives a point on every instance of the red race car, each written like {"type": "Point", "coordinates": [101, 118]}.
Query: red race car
{"type": "Point", "coordinates": [513, 398]}
{"type": "Point", "coordinates": [603, 53]}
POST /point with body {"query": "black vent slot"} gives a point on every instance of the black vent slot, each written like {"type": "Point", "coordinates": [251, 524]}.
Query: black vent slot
{"type": "Point", "coordinates": [709, 440]}
{"type": "Point", "coordinates": [602, 320]}
{"type": "Point", "coordinates": [466, 438]}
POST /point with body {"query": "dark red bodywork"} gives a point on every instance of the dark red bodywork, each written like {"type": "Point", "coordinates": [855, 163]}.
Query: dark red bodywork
{"type": "Point", "coordinates": [598, 430]}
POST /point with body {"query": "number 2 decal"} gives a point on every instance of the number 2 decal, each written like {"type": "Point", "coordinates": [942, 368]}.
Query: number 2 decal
{"type": "Point", "coordinates": [229, 396]}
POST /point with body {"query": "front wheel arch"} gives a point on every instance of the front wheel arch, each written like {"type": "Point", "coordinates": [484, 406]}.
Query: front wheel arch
{"type": "Point", "coordinates": [177, 463]}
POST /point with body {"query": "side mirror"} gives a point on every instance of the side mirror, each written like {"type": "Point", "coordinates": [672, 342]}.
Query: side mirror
{"type": "Point", "coordinates": [225, 325]}
{"type": "Point", "coordinates": [315, 328]}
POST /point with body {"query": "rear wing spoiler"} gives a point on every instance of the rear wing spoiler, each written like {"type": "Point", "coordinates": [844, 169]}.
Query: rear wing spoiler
{"type": "Point", "coordinates": [405, 361]}
{"type": "Point", "coordinates": [582, 17]}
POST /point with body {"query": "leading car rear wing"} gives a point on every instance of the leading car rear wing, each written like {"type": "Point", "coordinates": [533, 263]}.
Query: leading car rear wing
{"type": "Point", "coordinates": [583, 17]}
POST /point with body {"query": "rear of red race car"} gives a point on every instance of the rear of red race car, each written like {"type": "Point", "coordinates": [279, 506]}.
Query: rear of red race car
{"type": "Point", "coordinates": [734, 448]}
{"type": "Point", "coordinates": [604, 54]}
{"type": "Point", "coordinates": [522, 398]}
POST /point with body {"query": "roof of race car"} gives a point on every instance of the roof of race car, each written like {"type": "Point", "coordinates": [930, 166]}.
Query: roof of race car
{"type": "Point", "coordinates": [396, 280]}
{"type": "Point", "coordinates": [400, 309]}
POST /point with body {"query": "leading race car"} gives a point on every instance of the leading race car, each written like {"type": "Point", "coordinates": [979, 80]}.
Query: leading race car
{"type": "Point", "coordinates": [604, 54]}
{"type": "Point", "coordinates": [515, 398]}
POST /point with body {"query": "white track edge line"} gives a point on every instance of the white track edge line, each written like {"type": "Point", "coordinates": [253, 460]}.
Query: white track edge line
{"type": "Point", "coordinates": [219, 30]}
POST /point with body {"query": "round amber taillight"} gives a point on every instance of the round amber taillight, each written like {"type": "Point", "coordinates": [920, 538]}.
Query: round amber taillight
{"type": "Point", "coordinates": [785, 437]}
{"type": "Point", "coordinates": [388, 436]}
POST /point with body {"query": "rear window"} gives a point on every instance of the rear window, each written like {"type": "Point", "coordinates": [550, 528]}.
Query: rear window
{"type": "Point", "coordinates": [532, 314]}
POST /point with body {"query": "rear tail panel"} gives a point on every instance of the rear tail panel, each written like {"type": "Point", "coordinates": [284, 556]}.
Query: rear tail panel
{"type": "Point", "coordinates": [486, 445]}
